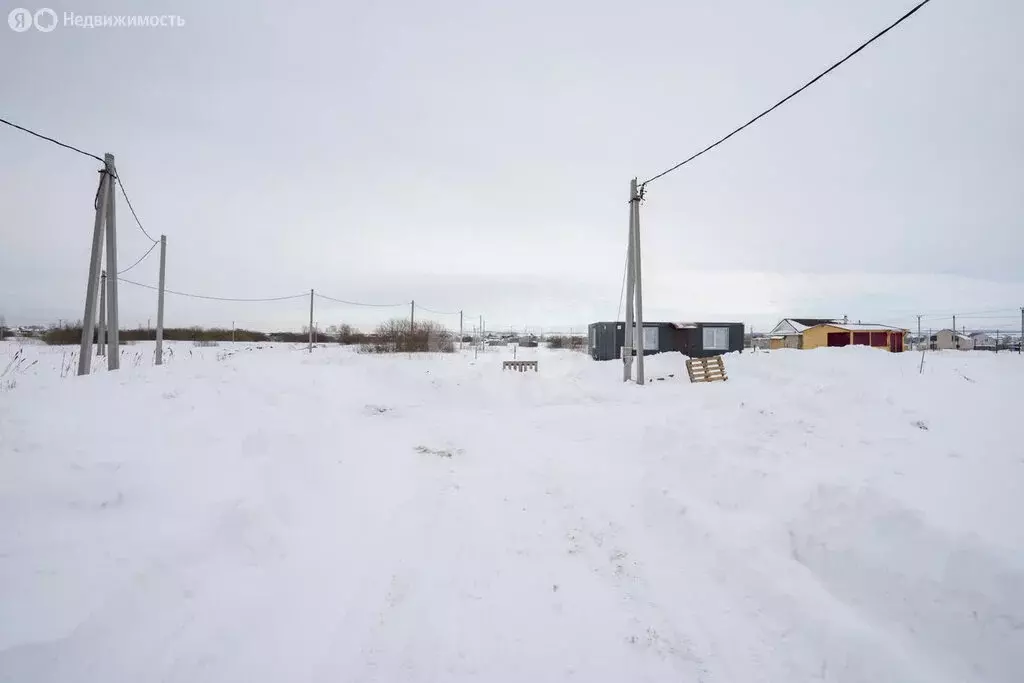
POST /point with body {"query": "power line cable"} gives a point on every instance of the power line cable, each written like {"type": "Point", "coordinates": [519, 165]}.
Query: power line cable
{"type": "Point", "coordinates": [988, 317]}
{"type": "Point", "coordinates": [792, 94]}
{"type": "Point", "coordinates": [991, 310]}
{"type": "Point", "coordinates": [430, 310]}
{"type": "Point", "coordinates": [88, 154]}
{"type": "Point", "coordinates": [214, 298]}
{"type": "Point", "coordinates": [932, 316]}
{"type": "Point", "coordinates": [124, 193]}
{"type": "Point", "coordinates": [968, 314]}
{"type": "Point", "coordinates": [49, 139]}
{"type": "Point", "coordinates": [141, 259]}
{"type": "Point", "coordinates": [358, 303]}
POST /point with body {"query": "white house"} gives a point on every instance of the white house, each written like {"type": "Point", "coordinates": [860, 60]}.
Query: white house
{"type": "Point", "coordinates": [984, 340]}
{"type": "Point", "coordinates": [950, 339]}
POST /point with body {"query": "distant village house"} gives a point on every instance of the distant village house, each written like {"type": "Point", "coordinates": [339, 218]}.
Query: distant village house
{"type": "Point", "coordinates": [950, 339]}
{"type": "Point", "coordinates": [813, 333]}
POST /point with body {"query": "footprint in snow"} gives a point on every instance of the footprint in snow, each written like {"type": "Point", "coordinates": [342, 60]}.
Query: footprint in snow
{"type": "Point", "coordinates": [439, 452]}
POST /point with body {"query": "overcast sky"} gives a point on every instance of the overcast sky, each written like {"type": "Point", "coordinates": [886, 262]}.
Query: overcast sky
{"type": "Point", "coordinates": [477, 155]}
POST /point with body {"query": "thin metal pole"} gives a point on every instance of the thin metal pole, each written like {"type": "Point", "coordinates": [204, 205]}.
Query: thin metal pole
{"type": "Point", "coordinates": [919, 339]}
{"type": "Point", "coordinates": [311, 321]}
{"type": "Point", "coordinates": [412, 316]}
{"type": "Point", "coordinates": [85, 352]}
{"type": "Point", "coordinates": [460, 326]}
{"type": "Point", "coordinates": [101, 337]}
{"type": "Point", "coordinates": [637, 274]}
{"type": "Point", "coordinates": [160, 302]}
{"type": "Point", "coordinates": [627, 349]}
{"type": "Point", "coordinates": [113, 325]}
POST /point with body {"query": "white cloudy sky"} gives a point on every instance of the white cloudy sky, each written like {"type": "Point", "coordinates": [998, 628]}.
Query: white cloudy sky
{"type": "Point", "coordinates": [477, 156]}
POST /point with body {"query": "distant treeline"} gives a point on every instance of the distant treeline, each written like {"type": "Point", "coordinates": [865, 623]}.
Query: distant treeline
{"type": "Point", "coordinates": [73, 335]}
{"type": "Point", "coordinates": [392, 336]}
{"type": "Point", "coordinates": [398, 336]}
{"type": "Point", "coordinates": [573, 342]}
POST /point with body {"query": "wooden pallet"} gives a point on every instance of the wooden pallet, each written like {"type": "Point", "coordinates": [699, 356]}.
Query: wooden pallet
{"type": "Point", "coordinates": [706, 369]}
{"type": "Point", "coordinates": [520, 365]}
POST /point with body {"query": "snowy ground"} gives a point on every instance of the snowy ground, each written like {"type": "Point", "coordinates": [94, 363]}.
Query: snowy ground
{"type": "Point", "coordinates": [269, 515]}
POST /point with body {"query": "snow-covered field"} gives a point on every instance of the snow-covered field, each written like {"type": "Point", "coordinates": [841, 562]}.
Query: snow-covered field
{"type": "Point", "coordinates": [270, 515]}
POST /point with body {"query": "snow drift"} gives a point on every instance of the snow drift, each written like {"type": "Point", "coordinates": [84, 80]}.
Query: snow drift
{"type": "Point", "coordinates": [273, 515]}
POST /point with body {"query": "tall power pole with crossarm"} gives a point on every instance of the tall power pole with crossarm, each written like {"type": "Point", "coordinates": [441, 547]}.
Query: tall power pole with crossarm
{"type": "Point", "coordinates": [634, 342]}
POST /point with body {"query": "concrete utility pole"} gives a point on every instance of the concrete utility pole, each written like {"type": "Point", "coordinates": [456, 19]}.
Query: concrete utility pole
{"type": "Point", "coordinates": [160, 302]}
{"type": "Point", "coordinates": [311, 321]}
{"type": "Point", "coordinates": [88, 320]}
{"type": "Point", "coordinates": [460, 326]}
{"type": "Point", "coordinates": [627, 346]}
{"type": "Point", "coordinates": [101, 337]}
{"type": "Point", "coordinates": [638, 311]}
{"type": "Point", "coordinates": [954, 324]}
{"type": "Point", "coordinates": [412, 316]}
{"type": "Point", "coordinates": [113, 309]}
{"type": "Point", "coordinates": [1020, 345]}
{"type": "Point", "coordinates": [232, 332]}
{"type": "Point", "coordinates": [919, 339]}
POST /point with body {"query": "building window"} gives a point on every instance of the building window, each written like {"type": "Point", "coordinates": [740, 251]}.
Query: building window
{"type": "Point", "coordinates": [716, 338]}
{"type": "Point", "coordinates": [651, 338]}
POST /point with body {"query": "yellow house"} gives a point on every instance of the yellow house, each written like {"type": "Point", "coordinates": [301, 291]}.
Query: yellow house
{"type": "Point", "coordinates": [805, 333]}
{"type": "Point", "coordinates": [789, 333]}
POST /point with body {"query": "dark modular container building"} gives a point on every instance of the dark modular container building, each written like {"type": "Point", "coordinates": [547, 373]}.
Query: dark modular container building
{"type": "Point", "coordinates": [696, 340]}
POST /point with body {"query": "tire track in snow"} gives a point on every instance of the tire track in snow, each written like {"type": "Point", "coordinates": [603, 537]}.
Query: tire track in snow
{"type": "Point", "coordinates": [600, 544]}
{"type": "Point", "coordinates": [687, 567]}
